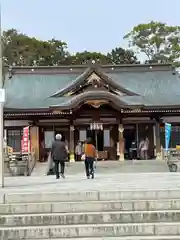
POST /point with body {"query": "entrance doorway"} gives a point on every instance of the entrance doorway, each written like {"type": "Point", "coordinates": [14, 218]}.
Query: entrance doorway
{"type": "Point", "coordinates": [129, 137]}
{"type": "Point", "coordinates": [97, 137]}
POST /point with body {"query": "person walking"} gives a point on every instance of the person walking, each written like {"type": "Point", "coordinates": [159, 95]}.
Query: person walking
{"type": "Point", "coordinates": [78, 151]}
{"type": "Point", "coordinates": [90, 155]}
{"type": "Point", "coordinates": [59, 155]}
{"type": "Point", "coordinates": [143, 149]}
{"type": "Point", "coordinates": [133, 150]}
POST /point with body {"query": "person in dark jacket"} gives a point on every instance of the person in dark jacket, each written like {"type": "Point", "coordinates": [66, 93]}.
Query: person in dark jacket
{"type": "Point", "coordinates": [59, 155]}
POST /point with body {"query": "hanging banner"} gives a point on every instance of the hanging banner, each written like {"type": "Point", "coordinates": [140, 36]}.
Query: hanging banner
{"type": "Point", "coordinates": [167, 135]}
{"type": "Point", "coordinates": [25, 140]}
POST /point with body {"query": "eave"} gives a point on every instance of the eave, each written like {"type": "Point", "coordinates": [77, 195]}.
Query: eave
{"type": "Point", "coordinates": [94, 95]}
{"type": "Point", "coordinates": [150, 110]}
{"type": "Point", "coordinates": [35, 112]}
{"type": "Point", "coordinates": [56, 113]}
{"type": "Point", "coordinates": [53, 113]}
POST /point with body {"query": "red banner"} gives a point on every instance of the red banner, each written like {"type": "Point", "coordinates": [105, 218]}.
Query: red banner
{"type": "Point", "coordinates": [25, 140]}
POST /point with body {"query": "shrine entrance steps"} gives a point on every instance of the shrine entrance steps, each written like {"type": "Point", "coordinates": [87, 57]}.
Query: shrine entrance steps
{"type": "Point", "coordinates": [131, 206]}
{"type": "Point", "coordinates": [109, 166]}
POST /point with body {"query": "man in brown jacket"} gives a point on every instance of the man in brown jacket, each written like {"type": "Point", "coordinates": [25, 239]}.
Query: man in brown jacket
{"type": "Point", "coordinates": [59, 155]}
{"type": "Point", "coordinates": [90, 156]}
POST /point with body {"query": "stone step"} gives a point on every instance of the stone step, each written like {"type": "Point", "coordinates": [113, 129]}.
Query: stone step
{"type": "Point", "coordinates": [109, 167]}
{"type": "Point", "coordinates": [95, 230]}
{"type": "Point", "coordinates": [90, 218]}
{"type": "Point", "coordinates": [75, 196]}
{"type": "Point", "coordinates": [90, 206]}
{"type": "Point", "coordinates": [124, 238]}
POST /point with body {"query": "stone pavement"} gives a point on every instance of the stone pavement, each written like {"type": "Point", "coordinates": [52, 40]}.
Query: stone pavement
{"type": "Point", "coordinates": [127, 175]}
{"type": "Point", "coordinates": [110, 166]}
{"type": "Point", "coordinates": [118, 174]}
{"type": "Point", "coordinates": [102, 181]}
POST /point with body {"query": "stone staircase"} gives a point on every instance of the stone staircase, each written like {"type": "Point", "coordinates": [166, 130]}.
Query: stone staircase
{"type": "Point", "coordinates": [108, 167]}
{"type": "Point", "coordinates": [91, 215]}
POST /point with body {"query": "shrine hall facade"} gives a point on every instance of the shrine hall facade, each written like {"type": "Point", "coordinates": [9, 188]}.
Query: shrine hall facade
{"type": "Point", "coordinates": [112, 104]}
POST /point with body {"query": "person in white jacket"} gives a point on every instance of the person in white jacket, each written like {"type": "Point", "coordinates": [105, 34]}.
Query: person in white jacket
{"type": "Point", "coordinates": [143, 148]}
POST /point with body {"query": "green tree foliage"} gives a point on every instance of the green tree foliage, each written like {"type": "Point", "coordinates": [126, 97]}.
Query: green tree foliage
{"type": "Point", "coordinates": [121, 56]}
{"type": "Point", "coordinates": [19, 49]}
{"type": "Point", "coordinates": [116, 56]}
{"type": "Point", "coordinates": [158, 41]}
{"type": "Point", "coordinates": [85, 57]}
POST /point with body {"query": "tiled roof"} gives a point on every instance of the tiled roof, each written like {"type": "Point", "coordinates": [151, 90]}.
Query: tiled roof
{"type": "Point", "coordinates": [160, 83]}
{"type": "Point", "coordinates": [33, 91]}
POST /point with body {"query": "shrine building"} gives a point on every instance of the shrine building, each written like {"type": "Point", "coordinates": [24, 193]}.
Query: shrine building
{"type": "Point", "coordinates": [112, 104]}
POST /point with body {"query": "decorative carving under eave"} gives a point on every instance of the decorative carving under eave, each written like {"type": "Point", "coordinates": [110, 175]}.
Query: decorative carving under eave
{"type": "Point", "coordinates": [96, 103]}
{"type": "Point", "coordinates": [69, 94]}
{"type": "Point", "coordinates": [95, 83]}
{"type": "Point", "coordinates": [135, 110]}
{"type": "Point", "coordinates": [94, 80]}
{"type": "Point", "coordinates": [56, 111]}
{"type": "Point", "coordinates": [93, 77]}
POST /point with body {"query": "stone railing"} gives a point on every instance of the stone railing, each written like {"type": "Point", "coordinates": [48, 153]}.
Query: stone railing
{"type": "Point", "coordinates": [173, 160]}
{"type": "Point", "coordinates": [21, 164]}
{"type": "Point", "coordinates": [6, 165]}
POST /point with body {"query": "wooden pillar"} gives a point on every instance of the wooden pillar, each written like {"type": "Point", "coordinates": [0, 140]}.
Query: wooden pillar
{"type": "Point", "coordinates": [71, 150]}
{"type": "Point", "coordinates": [158, 142]}
{"type": "Point", "coordinates": [121, 142]}
{"type": "Point", "coordinates": [5, 141]}
{"type": "Point", "coordinates": [34, 139]}
{"type": "Point", "coordinates": [113, 142]}
{"type": "Point", "coordinates": [111, 138]}
{"type": "Point", "coordinates": [137, 135]}
{"type": "Point", "coordinates": [112, 149]}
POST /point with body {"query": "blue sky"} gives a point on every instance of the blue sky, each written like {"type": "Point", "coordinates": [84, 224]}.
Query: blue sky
{"type": "Point", "coordinates": [94, 25]}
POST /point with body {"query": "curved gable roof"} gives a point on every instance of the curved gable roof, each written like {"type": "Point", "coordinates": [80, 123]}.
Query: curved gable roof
{"type": "Point", "coordinates": [80, 99]}
{"type": "Point", "coordinates": [81, 80]}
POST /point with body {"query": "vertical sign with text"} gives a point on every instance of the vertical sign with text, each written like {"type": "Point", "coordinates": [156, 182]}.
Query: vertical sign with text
{"type": "Point", "coordinates": [25, 140]}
